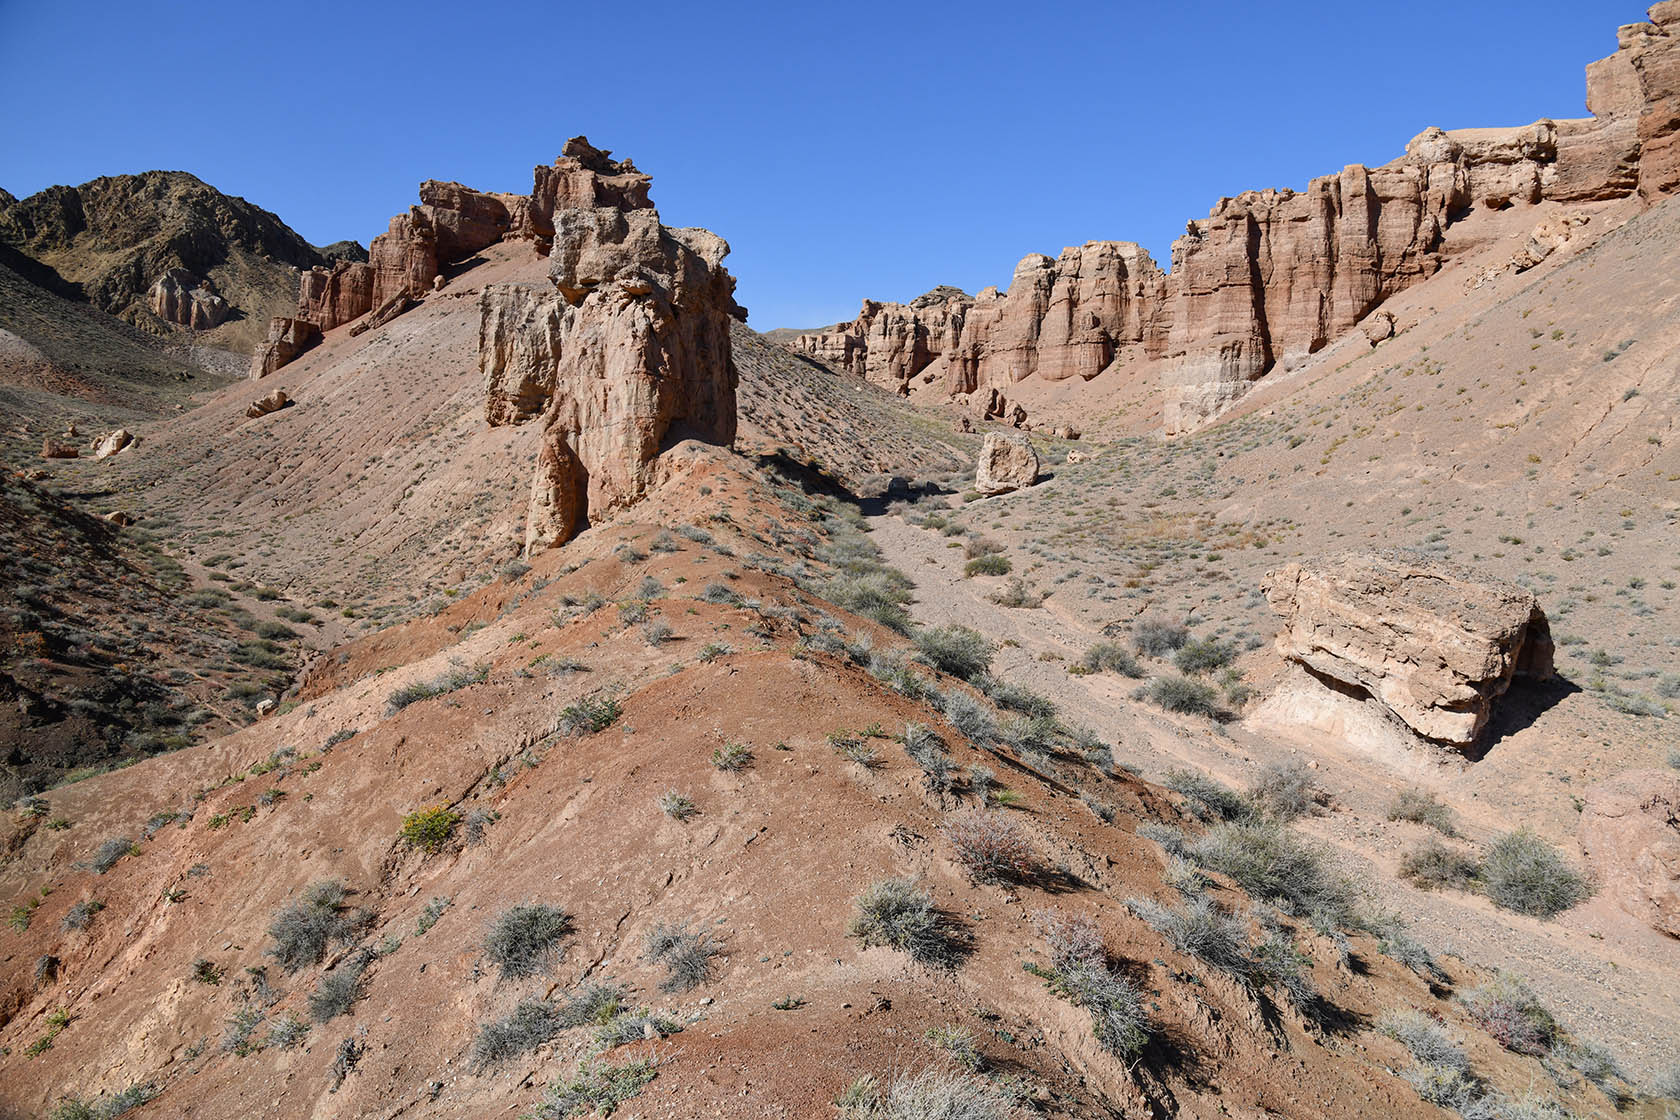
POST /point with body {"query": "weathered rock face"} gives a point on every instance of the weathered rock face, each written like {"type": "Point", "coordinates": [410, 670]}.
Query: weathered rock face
{"type": "Point", "coordinates": [1007, 462]}
{"type": "Point", "coordinates": [111, 443]}
{"type": "Point", "coordinates": [582, 178]}
{"type": "Point", "coordinates": [287, 338]}
{"type": "Point", "coordinates": [331, 297]}
{"type": "Point", "coordinates": [1270, 277]}
{"type": "Point", "coordinates": [627, 353]}
{"type": "Point", "coordinates": [1435, 643]}
{"type": "Point", "coordinates": [180, 297]}
{"type": "Point", "coordinates": [890, 343]}
{"type": "Point", "coordinates": [273, 402]}
{"type": "Point", "coordinates": [1630, 828]}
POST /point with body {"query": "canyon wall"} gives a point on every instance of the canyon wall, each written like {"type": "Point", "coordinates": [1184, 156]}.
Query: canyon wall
{"type": "Point", "coordinates": [1269, 277]}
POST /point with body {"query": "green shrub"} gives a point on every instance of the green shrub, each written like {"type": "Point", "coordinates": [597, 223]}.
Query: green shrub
{"type": "Point", "coordinates": [956, 650]}
{"type": "Point", "coordinates": [678, 806]}
{"type": "Point", "coordinates": [901, 915]}
{"type": "Point", "coordinates": [1181, 694]}
{"type": "Point", "coordinates": [451, 681]}
{"type": "Point", "coordinates": [878, 595]}
{"type": "Point", "coordinates": [990, 565]}
{"type": "Point", "coordinates": [1204, 656]}
{"type": "Point", "coordinates": [1209, 800]}
{"type": "Point", "coordinates": [596, 1086]}
{"type": "Point", "coordinates": [1111, 657]}
{"type": "Point", "coordinates": [525, 938]}
{"type": "Point", "coordinates": [591, 714]}
{"type": "Point", "coordinates": [732, 758]}
{"type": "Point", "coordinates": [1522, 872]}
{"type": "Point", "coordinates": [1274, 865]}
{"type": "Point", "coordinates": [429, 829]}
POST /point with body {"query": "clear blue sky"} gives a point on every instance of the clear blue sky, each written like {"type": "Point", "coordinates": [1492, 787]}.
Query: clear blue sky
{"type": "Point", "coordinates": [863, 149]}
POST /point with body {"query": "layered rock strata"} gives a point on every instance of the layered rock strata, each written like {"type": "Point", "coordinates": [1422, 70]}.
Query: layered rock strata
{"type": "Point", "coordinates": [1270, 277]}
{"type": "Point", "coordinates": [623, 354]}
{"type": "Point", "coordinates": [1434, 643]}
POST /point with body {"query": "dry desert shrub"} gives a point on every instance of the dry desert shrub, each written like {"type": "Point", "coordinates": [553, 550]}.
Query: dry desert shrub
{"type": "Point", "coordinates": [991, 846]}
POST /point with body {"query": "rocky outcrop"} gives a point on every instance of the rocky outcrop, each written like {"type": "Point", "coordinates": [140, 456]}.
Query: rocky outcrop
{"type": "Point", "coordinates": [111, 443]}
{"type": "Point", "coordinates": [287, 338]}
{"type": "Point", "coordinates": [1550, 235]}
{"type": "Point", "coordinates": [180, 297]}
{"type": "Point", "coordinates": [1434, 643]}
{"type": "Point", "coordinates": [626, 353]}
{"type": "Point", "coordinates": [331, 297]}
{"type": "Point", "coordinates": [273, 402]}
{"type": "Point", "coordinates": [1271, 277]}
{"type": "Point", "coordinates": [1007, 462]}
{"type": "Point", "coordinates": [1630, 828]}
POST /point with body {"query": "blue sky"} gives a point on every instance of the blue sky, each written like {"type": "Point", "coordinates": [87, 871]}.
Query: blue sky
{"type": "Point", "coordinates": [853, 150]}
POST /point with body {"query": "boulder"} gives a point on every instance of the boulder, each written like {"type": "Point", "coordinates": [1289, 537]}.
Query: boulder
{"type": "Point", "coordinates": [1548, 237]}
{"type": "Point", "coordinates": [120, 518]}
{"type": "Point", "coordinates": [287, 338]}
{"type": "Point", "coordinates": [52, 449]}
{"type": "Point", "coordinates": [1630, 828]}
{"type": "Point", "coordinates": [1007, 462]}
{"type": "Point", "coordinates": [273, 402]}
{"type": "Point", "coordinates": [1378, 327]}
{"type": "Point", "coordinates": [180, 297]}
{"type": "Point", "coordinates": [626, 353]}
{"type": "Point", "coordinates": [111, 443]}
{"type": "Point", "coordinates": [1433, 642]}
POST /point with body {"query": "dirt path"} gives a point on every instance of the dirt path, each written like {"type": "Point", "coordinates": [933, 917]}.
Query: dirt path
{"type": "Point", "coordinates": [1612, 979]}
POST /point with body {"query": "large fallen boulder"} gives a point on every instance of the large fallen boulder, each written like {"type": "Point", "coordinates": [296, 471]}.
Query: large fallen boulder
{"type": "Point", "coordinates": [111, 443]}
{"type": "Point", "coordinates": [1007, 462]}
{"type": "Point", "coordinates": [1434, 642]}
{"type": "Point", "coordinates": [1630, 828]}
{"type": "Point", "coordinates": [273, 402]}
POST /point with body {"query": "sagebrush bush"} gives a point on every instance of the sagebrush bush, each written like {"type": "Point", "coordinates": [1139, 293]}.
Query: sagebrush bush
{"type": "Point", "coordinates": [1274, 865]}
{"type": "Point", "coordinates": [633, 1026]}
{"type": "Point", "coordinates": [1017, 698]}
{"type": "Point", "coordinates": [302, 930]}
{"type": "Point", "coordinates": [526, 938]}
{"type": "Point", "coordinates": [1080, 972]}
{"type": "Point", "coordinates": [990, 845]}
{"type": "Point", "coordinates": [880, 595]}
{"type": "Point", "coordinates": [956, 650]}
{"type": "Point", "coordinates": [1157, 637]}
{"type": "Point", "coordinates": [686, 955]}
{"type": "Point", "coordinates": [109, 852]}
{"type": "Point", "coordinates": [1421, 807]}
{"type": "Point", "coordinates": [591, 1004]}
{"type": "Point", "coordinates": [732, 757]}
{"type": "Point", "coordinates": [901, 915]}
{"type": "Point", "coordinates": [1111, 657]}
{"type": "Point", "coordinates": [1200, 928]}
{"type": "Point", "coordinates": [1203, 656]}
{"type": "Point", "coordinates": [1433, 865]}
{"type": "Point", "coordinates": [338, 989]}
{"type": "Point", "coordinates": [453, 680]}
{"type": "Point", "coordinates": [1183, 695]}
{"type": "Point", "coordinates": [993, 564]}
{"type": "Point", "coordinates": [1426, 1038]}
{"type": "Point", "coordinates": [589, 715]}
{"type": "Point", "coordinates": [926, 1095]}
{"type": "Point", "coordinates": [1209, 800]}
{"type": "Point", "coordinates": [532, 1022]}
{"type": "Point", "coordinates": [1522, 872]}
{"type": "Point", "coordinates": [80, 916]}
{"type": "Point", "coordinates": [1510, 1011]}
{"type": "Point", "coordinates": [596, 1086]}
{"type": "Point", "coordinates": [969, 716]}
{"type": "Point", "coordinates": [429, 829]}
{"type": "Point", "coordinates": [1286, 790]}
{"type": "Point", "coordinates": [678, 806]}
{"type": "Point", "coordinates": [287, 1033]}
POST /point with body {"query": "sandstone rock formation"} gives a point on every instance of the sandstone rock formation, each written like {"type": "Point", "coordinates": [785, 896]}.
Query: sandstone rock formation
{"type": "Point", "coordinates": [1630, 828]}
{"type": "Point", "coordinates": [1007, 462]}
{"type": "Point", "coordinates": [1270, 277]}
{"type": "Point", "coordinates": [626, 353]}
{"type": "Point", "coordinates": [180, 297]}
{"type": "Point", "coordinates": [111, 443]}
{"type": "Point", "coordinates": [287, 338]}
{"type": "Point", "coordinates": [1550, 235]}
{"type": "Point", "coordinates": [331, 297]}
{"type": "Point", "coordinates": [273, 402]}
{"type": "Point", "coordinates": [53, 449]}
{"type": "Point", "coordinates": [1435, 643]}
